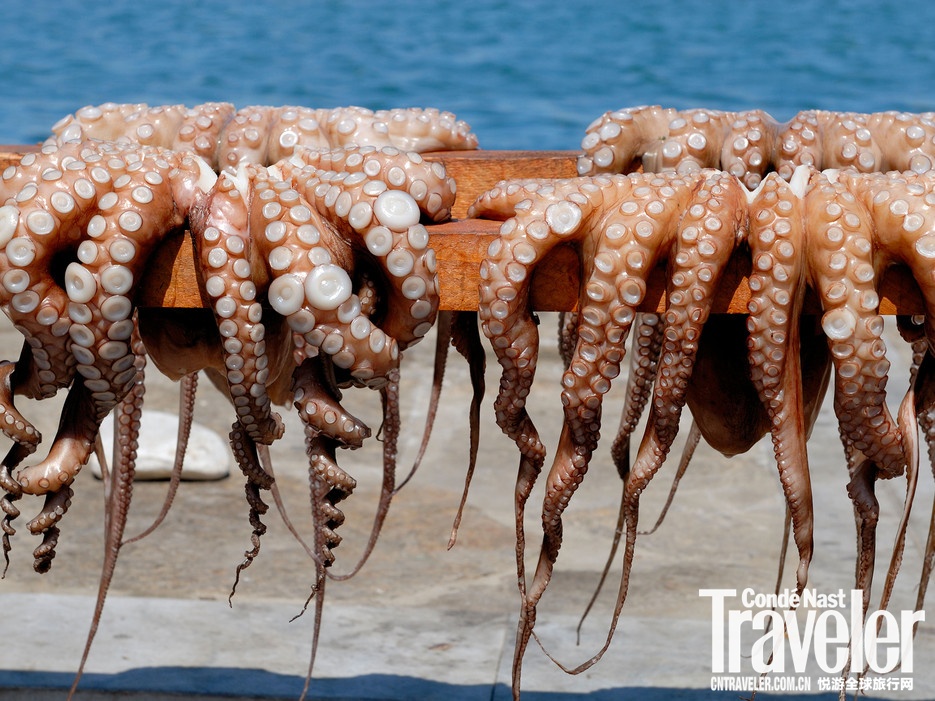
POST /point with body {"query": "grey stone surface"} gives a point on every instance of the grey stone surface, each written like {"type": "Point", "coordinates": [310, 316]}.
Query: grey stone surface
{"type": "Point", "coordinates": [420, 621]}
{"type": "Point", "coordinates": [207, 456]}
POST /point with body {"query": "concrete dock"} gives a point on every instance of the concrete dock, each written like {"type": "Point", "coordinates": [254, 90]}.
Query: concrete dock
{"type": "Point", "coordinates": [420, 621]}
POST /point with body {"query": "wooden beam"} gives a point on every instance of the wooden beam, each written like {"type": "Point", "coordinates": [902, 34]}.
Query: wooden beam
{"type": "Point", "coordinates": [475, 172]}
{"type": "Point", "coordinates": [461, 245]}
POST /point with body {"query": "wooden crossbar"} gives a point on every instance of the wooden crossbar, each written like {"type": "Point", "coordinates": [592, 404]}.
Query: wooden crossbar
{"type": "Point", "coordinates": [461, 244]}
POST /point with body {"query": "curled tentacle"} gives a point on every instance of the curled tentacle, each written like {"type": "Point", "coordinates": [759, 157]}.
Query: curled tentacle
{"type": "Point", "coordinates": [466, 339]}
{"type": "Point", "coordinates": [13, 424]}
{"type": "Point", "coordinates": [329, 486]}
{"type": "Point", "coordinates": [377, 197]}
{"type": "Point", "coordinates": [258, 480]}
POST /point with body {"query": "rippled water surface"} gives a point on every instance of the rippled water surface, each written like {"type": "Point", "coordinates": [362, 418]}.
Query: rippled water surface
{"type": "Point", "coordinates": [524, 74]}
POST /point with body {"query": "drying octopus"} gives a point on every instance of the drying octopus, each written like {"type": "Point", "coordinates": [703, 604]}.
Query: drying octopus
{"type": "Point", "coordinates": [225, 137]}
{"type": "Point", "coordinates": [750, 144]}
{"type": "Point", "coordinates": [833, 231]}
{"type": "Point", "coordinates": [319, 274]}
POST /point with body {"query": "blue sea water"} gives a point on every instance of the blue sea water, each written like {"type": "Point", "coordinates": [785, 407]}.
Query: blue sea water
{"type": "Point", "coordinates": [524, 74]}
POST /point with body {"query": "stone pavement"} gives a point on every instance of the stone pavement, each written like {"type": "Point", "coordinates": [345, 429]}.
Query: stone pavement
{"type": "Point", "coordinates": [420, 621]}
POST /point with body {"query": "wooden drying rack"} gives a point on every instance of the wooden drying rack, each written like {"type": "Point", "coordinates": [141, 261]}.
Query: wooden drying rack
{"type": "Point", "coordinates": [462, 243]}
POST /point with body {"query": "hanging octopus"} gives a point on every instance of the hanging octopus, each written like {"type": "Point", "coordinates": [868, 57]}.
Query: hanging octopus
{"type": "Point", "coordinates": [835, 232]}
{"type": "Point", "coordinates": [263, 135]}
{"type": "Point", "coordinates": [80, 223]}
{"type": "Point", "coordinates": [751, 144]}
{"type": "Point", "coordinates": [319, 274]}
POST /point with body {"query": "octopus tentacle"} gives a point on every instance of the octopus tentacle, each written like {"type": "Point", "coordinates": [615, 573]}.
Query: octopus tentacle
{"type": "Point", "coordinates": [13, 491]}
{"type": "Point", "coordinates": [118, 493]}
{"type": "Point", "coordinates": [318, 401]}
{"type": "Point", "coordinates": [910, 408]}
{"type": "Point", "coordinates": [329, 486]}
{"type": "Point", "coordinates": [688, 452]}
{"type": "Point", "coordinates": [507, 322]}
{"type": "Point", "coordinates": [466, 339]}
{"type": "Point", "coordinates": [567, 336]}
{"type": "Point", "coordinates": [911, 329]}
{"type": "Point", "coordinates": [258, 479]}
{"type": "Point", "coordinates": [644, 356]}
{"type": "Point", "coordinates": [842, 269]}
{"type": "Point", "coordinates": [389, 394]}
{"type": "Point", "coordinates": [187, 389]}
{"type": "Point", "coordinates": [443, 332]}
{"type": "Point", "coordinates": [777, 240]}
{"type": "Point", "coordinates": [223, 230]}
{"type": "Point", "coordinates": [13, 424]}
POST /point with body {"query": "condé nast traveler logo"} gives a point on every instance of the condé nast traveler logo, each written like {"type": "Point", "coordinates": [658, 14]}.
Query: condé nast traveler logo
{"type": "Point", "coordinates": [788, 630]}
